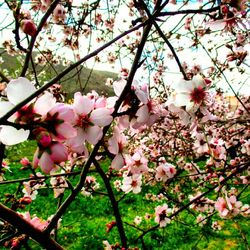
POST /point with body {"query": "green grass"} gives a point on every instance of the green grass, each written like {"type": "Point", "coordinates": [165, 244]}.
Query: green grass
{"type": "Point", "coordinates": [83, 226]}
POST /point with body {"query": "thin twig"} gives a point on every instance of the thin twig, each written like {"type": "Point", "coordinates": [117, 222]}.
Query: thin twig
{"type": "Point", "coordinates": [194, 11]}
{"type": "Point", "coordinates": [33, 39]}
{"type": "Point", "coordinates": [39, 177]}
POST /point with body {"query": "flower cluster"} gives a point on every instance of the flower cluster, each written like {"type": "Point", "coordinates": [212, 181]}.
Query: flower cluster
{"type": "Point", "coordinates": [58, 128]}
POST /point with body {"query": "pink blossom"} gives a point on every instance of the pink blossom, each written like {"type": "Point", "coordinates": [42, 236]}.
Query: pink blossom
{"type": "Point", "coordinates": [188, 23]}
{"type": "Point", "coordinates": [43, 137]}
{"type": "Point", "coordinates": [228, 207]}
{"type": "Point", "coordinates": [137, 163]}
{"type": "Point", "coordinates": [59, 184]}
{"type": "Point", "coordinates": [5, 164]}
{"type": "Point", "coordinates": [44, 103]}
{"type": "Point", "coordinates": [100, 102]}
{"type": "Point", "coordinates": [164, 172]}
{"type": "Point", "coordinates": [183, 114]}
{"type": "Point", "coordinates": [77, 143]}
{"type": "Point", "coordinates": [89, 119]}
{"type": "Point", "coordinates": [59, 14]}
{"type": "Point", "coordinates": [221, 206]}
{"type": "Point", "coordinates": [147, 112]}
{"type": "Point", "coordinates": [161, 215]}
{"type": "Point", "coordinates": [58, 152]}
{"type": "Point", "coordinates": [90, 185]}
{"type": "Point", "coordinates": [246, 147]}
{"type": "Point", "coordinates": [200, 144]}
{"type": "Point", "coordinates": [46, 2]}
{"type": "Point", "coordinates": [61, 117]}
{"type": "Point", "coordinates": [118, 162]}
{"type": "Point", "coordinates": [231, 18]}
{"type": "Point", "coordinates": [107, 246]}
{"type": "Point", "coordinates": [31, 187]}
{"type": "Point", "coordinates": [233, 204]}
{"type": "Point", "coordinates": [137, 220]}
{"type": "Point", "coordinates": [132, 183]}
{"type": "Point", "coordinates": [245, 210]}
{"type": "Point", "coordinates": [144, 109]}
{"type": "Point", "coordinates": [25, 161]}
{"type": "Point", "coordinates": [201, 220]}
{"type": "Point", "coordinates": [29, 192]}
{"type": "Point", "coordinates": [47, 158]}
{"type": "Point", "coordinates": [191, 94]}
{"type": "Point", "coordinates": [216, 226]}
{"type": "Point", "coordinates": [116, 146]}
{"type": "Point", "coordinates": [218, 151]}
{"type": "Point", "coordinates": [46, 163]}
{"type": "Point", "coordinates": [34, 221]}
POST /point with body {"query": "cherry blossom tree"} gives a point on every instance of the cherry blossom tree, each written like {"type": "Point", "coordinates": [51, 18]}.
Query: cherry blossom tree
{"type": "Point", "coordinates": [168, 133]}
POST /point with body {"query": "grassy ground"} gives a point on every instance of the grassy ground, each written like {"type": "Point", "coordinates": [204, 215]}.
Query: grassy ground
{"type": "Point", "coordinates": [84, 224]}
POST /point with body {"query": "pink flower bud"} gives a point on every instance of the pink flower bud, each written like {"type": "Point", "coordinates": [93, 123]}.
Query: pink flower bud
{"type": "Point", "coordinates": [28, 27]}
{"type": "Point", "coordinates": [44, 139]}
{"type": "Point", "coordinates": [224, 9]}
{"type": "Point", "coordinates": [15, 243]}
{"type": "Point", "coordinates": [25, 161]}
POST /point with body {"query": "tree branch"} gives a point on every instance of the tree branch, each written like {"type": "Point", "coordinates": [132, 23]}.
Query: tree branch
{"type": "Point", "coordinates": [114, 203]}
{"type": "Point", "coordinates": [197, 11]}
{"type": "Point", "coordinates": [25, 227]}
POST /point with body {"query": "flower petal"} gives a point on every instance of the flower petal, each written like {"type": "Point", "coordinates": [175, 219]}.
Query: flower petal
{"type": "Point", "coordinates": [44, 103]}
{"type": "Point", "coordinates": [119, 86]}
{"type": "Point", "coordinates": [101, 117]}
{"type": "Point", "coordinates": [46, 163]}
{"type": "Point", "coordinates": [142, 96]}
{"type": "Point", "coordinates": [93, 134]}
{"type": "Point", "coordinates": [58, 152]}
{"type": "Point", "coordinates": [181, 86]}
{"type": "Point", "coordinates": [216, 25]}
{"type": "Point", "coordinates": [11, 136]}
{"type": "Point", "coordinates": [113, 145]}
{"type": "Point", "coordinates": [182, 99]}
{"type": "Point", "coordinates": [76, 144]}
{"type": "Point", "coordinates": [118, 162]}
{"type": "Point", "coordinates": [64, 112]}
{"type": "Point", "coordinates": [111, 101]}
{"type": "Point", "coordinates": [82, 104]}
{"type": "Point", "coordinates": [65, 131]}
{"type": "Point", "coordinates": [142, 114]}
{"type": "Point", "coordinates": [6, 107]}
{"type": "Point", "coordinates": [198, 80]}
{"type": "Point", "coordinates": [19, 89]}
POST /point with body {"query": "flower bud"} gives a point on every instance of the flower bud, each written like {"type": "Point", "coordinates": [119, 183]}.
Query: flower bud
{"type": "Point", "coordinates": [25, 161]}
{"type": "Point", "coordinates": [25, 200]}
{"type": "Point", "coordinates": [44, 139]}
{"type": "Point", "coordinates": [28, 27]}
